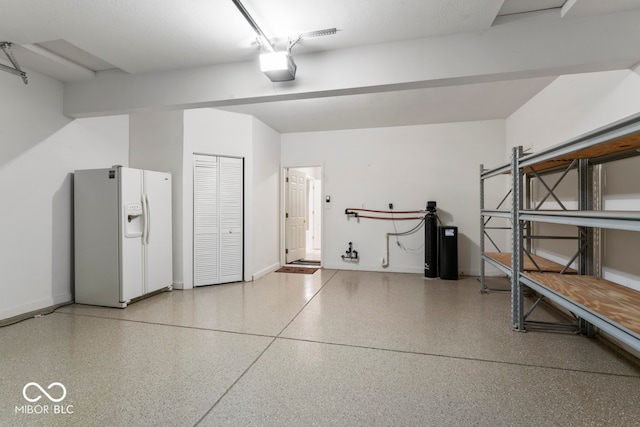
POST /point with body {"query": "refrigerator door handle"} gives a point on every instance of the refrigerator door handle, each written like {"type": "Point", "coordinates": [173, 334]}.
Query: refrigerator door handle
{"type": "Point", "coordinates": [146, 198]}
{"type": "Point", "coordinates": [145, 215]}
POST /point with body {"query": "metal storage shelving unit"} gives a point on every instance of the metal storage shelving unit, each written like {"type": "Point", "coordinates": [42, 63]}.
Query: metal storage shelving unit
{"type": "Point", "coordinates": [595, 302]}
{"type": "Point", "coordinates": [486, 217]}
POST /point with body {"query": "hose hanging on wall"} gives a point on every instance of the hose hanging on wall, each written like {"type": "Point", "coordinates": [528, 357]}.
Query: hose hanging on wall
{"type": "Point", "coordinates": [370, 214]}
{"type": "Point", "coordinates": [353, 212]}
{"type": "Point", "coordinates": [385, 260]}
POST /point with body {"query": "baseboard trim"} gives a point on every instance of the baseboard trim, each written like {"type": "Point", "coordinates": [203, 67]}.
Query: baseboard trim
{"type": "Point", "coordinates": [66, 300]}
{"type": "Point", "coordinates": [265, 271]}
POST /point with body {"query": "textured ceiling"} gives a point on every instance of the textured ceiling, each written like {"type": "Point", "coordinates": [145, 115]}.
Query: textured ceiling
{"type": "Point", "coordinates": [74, 40]}
{"type": "Point", "coordinates": [145, 36]}
{"type": "Point", "coordinates": [482, 101]}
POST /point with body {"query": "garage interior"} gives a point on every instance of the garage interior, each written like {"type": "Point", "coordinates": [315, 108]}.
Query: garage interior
{"type": "Point", "coordinates": [391, 105]}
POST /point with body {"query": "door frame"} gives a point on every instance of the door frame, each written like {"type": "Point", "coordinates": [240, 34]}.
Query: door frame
{"type": "Point", "coordinates": [283, 209]}
{"type": "Point", "coordinates": [193, 210]}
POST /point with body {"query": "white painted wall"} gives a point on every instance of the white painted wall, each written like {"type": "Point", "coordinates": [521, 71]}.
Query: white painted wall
{"type": "Point", "coordinates": [39, 150]}
{"type": "Point", "coordinates": [406, 166]}
{"type": "Point", "coordinates": [156, 143]}
{"type": "Point", "coordinates": [571, 106]}
{"type": "Point", "coordinates": [264, 217]}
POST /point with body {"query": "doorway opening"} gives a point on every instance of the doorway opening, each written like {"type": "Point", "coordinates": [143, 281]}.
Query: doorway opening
{"type": "Point", "coordinates": [303, 216]}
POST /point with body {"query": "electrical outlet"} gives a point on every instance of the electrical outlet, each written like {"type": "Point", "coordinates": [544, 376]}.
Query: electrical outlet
{"type": "Point", "coordinates": [391, 206]}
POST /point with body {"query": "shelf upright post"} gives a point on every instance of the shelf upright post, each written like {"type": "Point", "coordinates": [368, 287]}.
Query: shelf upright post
{"type": "Point", "coordinates": [585, 203]}
{"type": "Point", "coordinates": [597, 232]}
{"type": "Point", "coordinates": [528, 197]}
{"type": "Point", "coordinates": [586, 234]}
{"type": "Point", "coordinates": [517, 297]}
{"type": "Point", "coordinates": [483, 284]}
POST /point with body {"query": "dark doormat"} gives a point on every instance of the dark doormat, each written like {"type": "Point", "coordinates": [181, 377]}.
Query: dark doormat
{"type": "Point", "coordinates": [301, 270]}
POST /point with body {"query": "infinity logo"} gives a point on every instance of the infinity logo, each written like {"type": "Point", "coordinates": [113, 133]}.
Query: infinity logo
{"type": "Point", "coordinates": [64, 392]}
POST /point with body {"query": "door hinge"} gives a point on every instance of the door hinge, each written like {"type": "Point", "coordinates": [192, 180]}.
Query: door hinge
{"type": "Point", "coordinates": [286, 179]}
{"type": "Point", "coordinates": [286, 215]}
{"type": "Point", "coordinates": [286, 251]}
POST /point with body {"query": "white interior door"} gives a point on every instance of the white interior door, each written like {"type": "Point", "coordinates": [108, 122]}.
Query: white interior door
{"type": "Point", "coordinates": [231, 194]}
{"type": "Point", "coordinates": [295, 215]}
{"type": "Point", "coordinates": [206, 268]}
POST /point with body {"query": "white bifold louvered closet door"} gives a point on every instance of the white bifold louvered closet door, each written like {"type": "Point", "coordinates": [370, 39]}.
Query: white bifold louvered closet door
{"type": "Point", "coordinates": [217, 220]}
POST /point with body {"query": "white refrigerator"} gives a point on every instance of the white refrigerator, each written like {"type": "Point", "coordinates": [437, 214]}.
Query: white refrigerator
{"type": "Point", "coordinates": [122, 226]}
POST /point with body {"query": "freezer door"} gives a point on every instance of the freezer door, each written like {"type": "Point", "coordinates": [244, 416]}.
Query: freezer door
{"type": "Point", "coordinates": [131, 250]}
{"type": "Point", "coordinates": [158, 234]}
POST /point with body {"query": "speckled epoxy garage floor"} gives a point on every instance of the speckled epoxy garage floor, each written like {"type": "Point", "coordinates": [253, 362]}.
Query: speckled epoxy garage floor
{"type": "Point", "coordinates": [333, 348]}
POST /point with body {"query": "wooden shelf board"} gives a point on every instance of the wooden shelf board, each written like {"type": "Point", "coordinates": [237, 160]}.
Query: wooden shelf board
{"type": "Point", "coordinates": [601, 214]}
{"type": "Point", "coordinates": [504, 258]}
{"type": "Point", "coordinates": [610, 300]}
{"type": "Point", "coordinates": [618, 145]}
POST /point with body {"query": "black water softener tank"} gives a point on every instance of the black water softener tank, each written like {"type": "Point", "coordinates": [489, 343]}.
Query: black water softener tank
{"type": "Point", "coordinates": [448, 252]}
{"type": "Point", "coordinates": [431, 241]}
